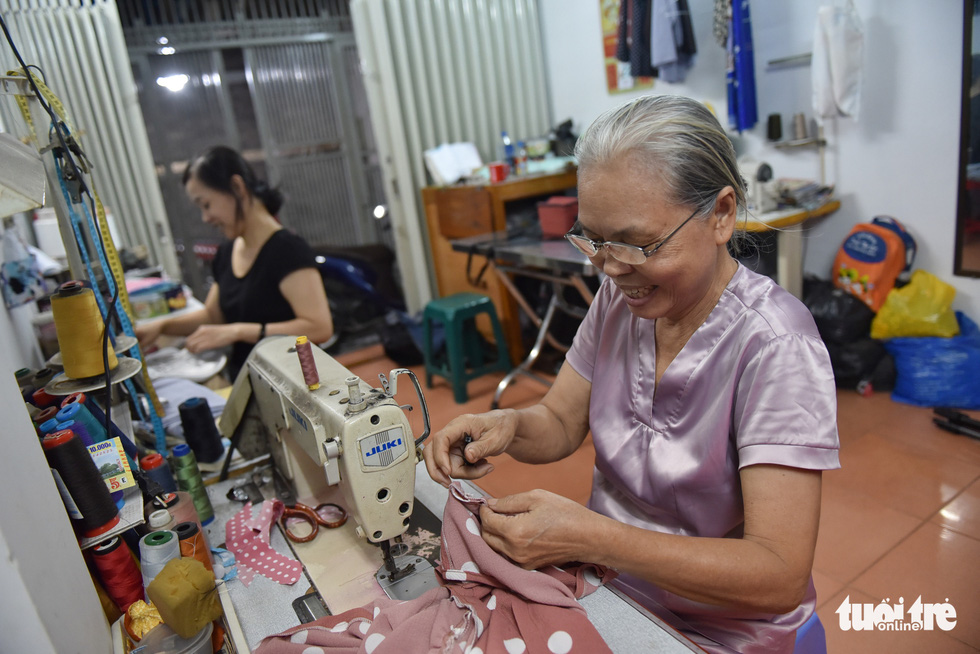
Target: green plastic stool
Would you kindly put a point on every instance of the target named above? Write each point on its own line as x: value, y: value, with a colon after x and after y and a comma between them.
x: 465, y: 356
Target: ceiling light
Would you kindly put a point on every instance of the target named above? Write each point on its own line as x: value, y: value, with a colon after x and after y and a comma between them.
x: 173, y: 83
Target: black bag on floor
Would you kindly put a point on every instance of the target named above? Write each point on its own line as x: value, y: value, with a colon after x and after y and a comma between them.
x: 400, y: 344
x: 862, y: 362
x: 840, y: 317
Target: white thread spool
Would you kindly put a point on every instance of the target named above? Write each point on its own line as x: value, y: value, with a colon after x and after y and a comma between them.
x: 162, y: 520
x: 156, y: 549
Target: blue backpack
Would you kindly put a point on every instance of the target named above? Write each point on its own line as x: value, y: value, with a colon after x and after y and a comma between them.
x: 893, y: 224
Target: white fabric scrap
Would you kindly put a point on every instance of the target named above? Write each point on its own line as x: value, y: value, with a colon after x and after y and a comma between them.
x: 838, y: 44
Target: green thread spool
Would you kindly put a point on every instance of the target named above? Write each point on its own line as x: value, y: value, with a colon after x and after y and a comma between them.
x: 24, y: 376
x: 189, y: 479
x: 158, y: 538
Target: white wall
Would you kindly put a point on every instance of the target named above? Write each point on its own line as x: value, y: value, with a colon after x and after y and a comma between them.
x: 47, y: 600
x: 899, y: 158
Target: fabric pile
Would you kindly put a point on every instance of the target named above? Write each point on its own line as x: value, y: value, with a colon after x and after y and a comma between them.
x: 485, y: 605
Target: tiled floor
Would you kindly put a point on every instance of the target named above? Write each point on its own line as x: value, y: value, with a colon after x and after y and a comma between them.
x: 901, y: 518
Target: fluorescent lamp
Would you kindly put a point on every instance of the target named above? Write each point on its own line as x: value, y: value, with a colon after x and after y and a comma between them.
x: 174, y: 83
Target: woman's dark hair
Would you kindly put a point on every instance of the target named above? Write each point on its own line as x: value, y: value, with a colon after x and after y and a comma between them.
x: 215, y: 168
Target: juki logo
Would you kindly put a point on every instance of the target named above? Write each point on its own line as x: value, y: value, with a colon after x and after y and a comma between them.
x: 300, y: 420
x: 378, y: 449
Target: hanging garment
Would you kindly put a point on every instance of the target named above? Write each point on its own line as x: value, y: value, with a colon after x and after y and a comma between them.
x: 742, y: 108
x: 672, y: 46
x: 486, y: 604
x: 20, y: 277
x: 838, y: 42
x: 623, y: 32
x: 633, y: 40
x: 721, y: 18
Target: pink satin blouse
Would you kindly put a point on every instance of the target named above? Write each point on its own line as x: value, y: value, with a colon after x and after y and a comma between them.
x: 753, y: 385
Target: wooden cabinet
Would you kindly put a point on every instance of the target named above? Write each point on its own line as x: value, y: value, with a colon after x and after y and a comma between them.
x: 453, y: 212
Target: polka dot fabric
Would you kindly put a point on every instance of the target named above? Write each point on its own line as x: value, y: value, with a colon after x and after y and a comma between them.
x: 247, y: 537
x: 486, y: 605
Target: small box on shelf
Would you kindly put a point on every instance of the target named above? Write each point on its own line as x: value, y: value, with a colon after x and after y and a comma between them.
x: 557, y: 215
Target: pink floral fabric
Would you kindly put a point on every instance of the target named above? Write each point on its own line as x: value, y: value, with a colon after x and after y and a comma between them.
x: 247, y: 537
x: 486, y: 605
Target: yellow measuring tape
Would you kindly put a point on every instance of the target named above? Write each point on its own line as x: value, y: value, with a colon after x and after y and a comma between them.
x: 49, y: 97
x: 112, y: 256
x: 115, y: 266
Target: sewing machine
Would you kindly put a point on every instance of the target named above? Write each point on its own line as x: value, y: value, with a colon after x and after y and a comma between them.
x: 761, y: 194
x: 331, y: 428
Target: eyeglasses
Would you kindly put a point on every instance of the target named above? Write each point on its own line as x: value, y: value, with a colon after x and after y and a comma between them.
x: 633, y: 255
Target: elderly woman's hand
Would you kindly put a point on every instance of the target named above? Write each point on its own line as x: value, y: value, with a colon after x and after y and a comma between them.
x: 489, y: 433
x: 539, y: 528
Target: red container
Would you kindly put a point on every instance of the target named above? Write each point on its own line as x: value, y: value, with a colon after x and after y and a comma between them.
x: 498, y: 171
x: 557, y: 215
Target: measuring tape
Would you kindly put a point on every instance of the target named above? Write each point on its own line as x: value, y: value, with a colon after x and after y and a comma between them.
x: 51, y: 98
x: 98, y: 228
x: 115, y: 270
x: 125, y: 318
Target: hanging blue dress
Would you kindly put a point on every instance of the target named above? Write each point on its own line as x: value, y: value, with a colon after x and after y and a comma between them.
x: 743, y: 111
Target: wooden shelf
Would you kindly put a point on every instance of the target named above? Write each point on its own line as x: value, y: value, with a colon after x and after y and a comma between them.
x: 453, y: 212
x: 800, y: 143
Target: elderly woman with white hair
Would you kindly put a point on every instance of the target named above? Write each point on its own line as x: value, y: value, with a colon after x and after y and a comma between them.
x: 706, y: 387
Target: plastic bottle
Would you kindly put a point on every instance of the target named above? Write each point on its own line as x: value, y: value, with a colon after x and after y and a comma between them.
x: 520, y: 159
x: 508, y: 150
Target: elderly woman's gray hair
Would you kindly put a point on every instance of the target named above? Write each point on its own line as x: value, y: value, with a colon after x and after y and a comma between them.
x: 671, y: 136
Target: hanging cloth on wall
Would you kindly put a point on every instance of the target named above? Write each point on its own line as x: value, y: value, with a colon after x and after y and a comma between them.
x: 742, y: 108
x: 672, y: 45
x: 633, y: 41
x: 20, y: 276
x: 838, y: 42
x: 721, y: 18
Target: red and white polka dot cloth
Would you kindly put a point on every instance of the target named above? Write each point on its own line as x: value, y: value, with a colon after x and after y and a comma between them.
x: 247, y: 537
x: 487, y: 605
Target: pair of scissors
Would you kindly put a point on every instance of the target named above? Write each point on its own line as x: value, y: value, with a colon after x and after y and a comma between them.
x: 313, y: 516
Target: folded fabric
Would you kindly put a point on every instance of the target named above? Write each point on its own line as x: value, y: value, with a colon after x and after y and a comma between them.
x: 247, y: 537
x: 486, y: 605
x: 183, y: 593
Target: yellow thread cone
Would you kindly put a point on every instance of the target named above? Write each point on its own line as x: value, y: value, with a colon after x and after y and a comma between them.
x: 79, y: 326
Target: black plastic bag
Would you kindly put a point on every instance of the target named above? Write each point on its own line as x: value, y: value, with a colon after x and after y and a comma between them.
x: 861, y: 362
x: 401, y: 337
x: 841, y: 318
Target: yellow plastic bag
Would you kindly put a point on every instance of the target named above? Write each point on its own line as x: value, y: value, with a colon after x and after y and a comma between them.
x: 923, y: 307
